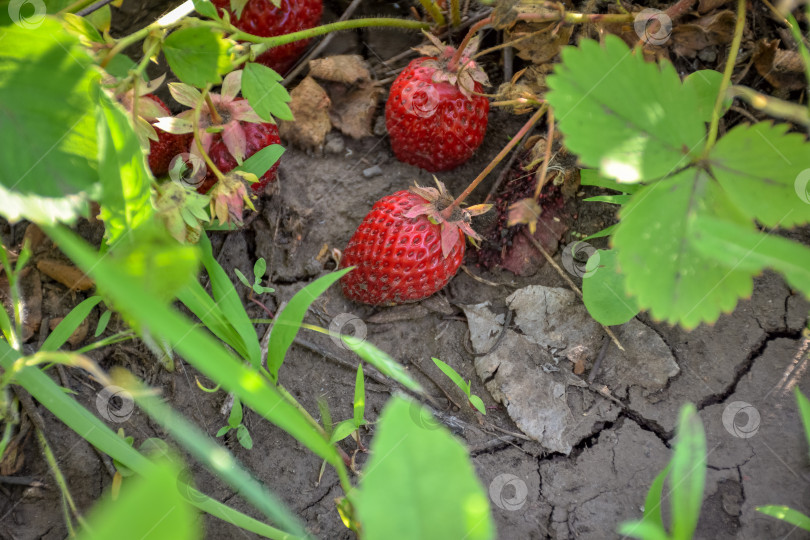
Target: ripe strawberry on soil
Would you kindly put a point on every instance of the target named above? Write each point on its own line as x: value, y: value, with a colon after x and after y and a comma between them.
x: 262, y: 18
x: 168, y: 145
x: 404, y: 250
x: 433, y: 119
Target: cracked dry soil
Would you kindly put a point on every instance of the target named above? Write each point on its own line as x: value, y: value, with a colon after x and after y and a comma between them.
x: 754, y: 355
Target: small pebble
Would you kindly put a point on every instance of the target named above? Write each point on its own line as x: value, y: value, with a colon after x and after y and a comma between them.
x: 379, y: 126
x: 334, y: 143
x: 372, y: 171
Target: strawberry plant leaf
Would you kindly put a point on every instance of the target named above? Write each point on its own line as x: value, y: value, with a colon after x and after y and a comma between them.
x: 591, y: 177
x: 445, y: 498
x: 705, y: 83
x: 195, y: 55
x: 126, y: 200
x: 260, y: 162
x: 262, y: 88
x: 49, y: 149
x: 289, y: 320
x: 81, y: 27
x: 612, y: 107
x: 664, y: 271
x: 206, y: 8
x: 603, y: 290
x: 69, y: 324
x: 742, y: 248
x: 759, y: 166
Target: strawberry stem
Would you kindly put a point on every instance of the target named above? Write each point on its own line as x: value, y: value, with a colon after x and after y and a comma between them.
x: 434, y: 11
x: 215, y: 117
x: 447, y: 212
x: 452, y: 65
x: 195, y: 129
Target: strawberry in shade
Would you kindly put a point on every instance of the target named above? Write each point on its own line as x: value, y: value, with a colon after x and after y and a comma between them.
x: 406, y: 248
x: 434, y: 119
x: 229, y: 134
x: 162, y: 146
x: 265, y: 19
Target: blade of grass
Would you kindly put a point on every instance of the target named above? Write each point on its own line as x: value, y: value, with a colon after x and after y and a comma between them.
x: 789, y: 515
x: 198, y: 347
x: 688, y: 474
x: 804, y: 412
x: 197, y: 300
x: 359, y: 396
x: 214, y: 457
x: 69, y: 324
x: 95, y: 432
x: 228, y: 300
x: 289, y: 320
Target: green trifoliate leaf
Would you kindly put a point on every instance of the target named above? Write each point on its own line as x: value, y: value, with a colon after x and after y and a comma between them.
x: 262, y: 88
x: 664, y: 271
x: 48, y: 147
x: 765, y: 172
x: 616, y: 112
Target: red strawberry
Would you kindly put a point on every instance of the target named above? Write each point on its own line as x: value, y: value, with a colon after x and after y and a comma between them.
x: 167, y: 146
x: 262, y: 18
x: 405, y: 250
x: 433, y: 119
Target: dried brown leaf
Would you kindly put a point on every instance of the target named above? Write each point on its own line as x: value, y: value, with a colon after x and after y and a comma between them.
x: 715, y: 29
x: 310, y: 105
x: 781, y: 68
x: 544, y: 45
x: 353, y: 111
x: 66, y: 274
x: 344, y: 68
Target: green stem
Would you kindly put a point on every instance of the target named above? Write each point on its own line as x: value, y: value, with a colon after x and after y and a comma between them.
x: 75, y: 6
x: 455, y: 12
x: 453, y: 63
x: 110, y: 340
x: 434, y: 11
x: 265, y: 43
x: 732, y: 59
x: 125, y: 42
